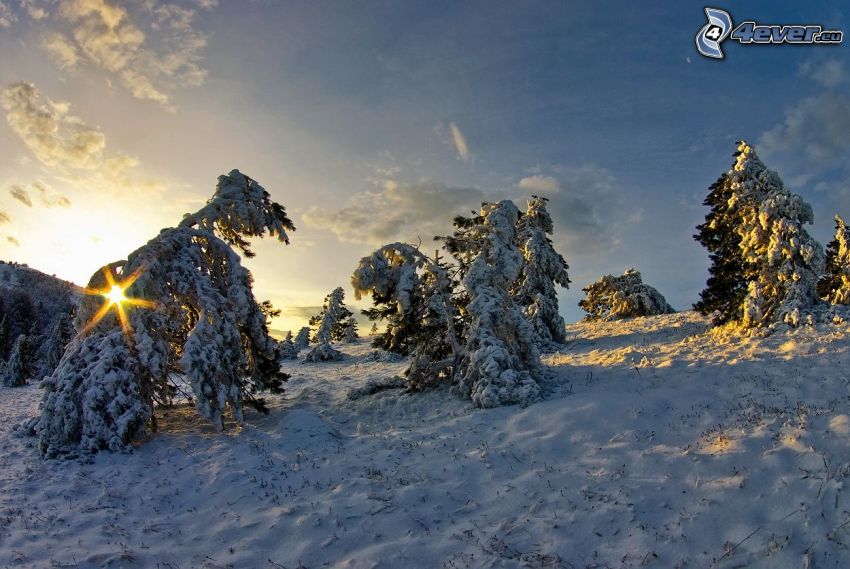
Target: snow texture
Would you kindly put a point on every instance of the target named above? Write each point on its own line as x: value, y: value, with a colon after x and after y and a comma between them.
x: 500, y: 364
x: 626, y: 296
x: 782, y: 261
x: 542, y: 269
x: 661, y: 444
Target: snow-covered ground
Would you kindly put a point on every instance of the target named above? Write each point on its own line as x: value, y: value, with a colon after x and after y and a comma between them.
x: 659, y: 444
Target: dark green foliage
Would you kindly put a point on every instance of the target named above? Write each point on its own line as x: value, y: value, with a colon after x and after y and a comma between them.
x: 727, y: 285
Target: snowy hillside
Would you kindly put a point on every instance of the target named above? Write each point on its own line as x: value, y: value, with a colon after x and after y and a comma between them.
x: 659, y: 444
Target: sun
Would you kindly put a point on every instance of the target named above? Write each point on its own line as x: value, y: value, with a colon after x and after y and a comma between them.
x: 115, y: 297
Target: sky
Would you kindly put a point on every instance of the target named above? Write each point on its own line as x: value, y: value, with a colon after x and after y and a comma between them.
x: 374, y: 122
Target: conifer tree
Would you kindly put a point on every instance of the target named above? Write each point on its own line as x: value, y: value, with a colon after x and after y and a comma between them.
x: 198, y: 317
x: 59, y: 338
x: 834, y: 285
x: 302, y: 339
x: 782, y: 262
x: 500, y: 362
x: 287, y: 348
x: 626, y: 296
x: 724, y: 293
x: 543, y: 268
x: 414, y: 294
x: 351, y: 335
x: 331, y: 324
x: 765, y: 265
x: 20, y: 367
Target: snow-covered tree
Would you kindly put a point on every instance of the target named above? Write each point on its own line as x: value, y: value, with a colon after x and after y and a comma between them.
x: 413, y: 293
x: 834, y: 285
x: 782, y: 262
x: 331, y: 323
x: 54, y: 346
x: 196, y: 315
x: 302, y: 339
x: 726, y: 288
x: 21, y: 364
x: 373, y: 331
x: 351, y: 335
x: 543, y: 268
x: 765, y: 266
x: 500, y: 362
x: 287, y: 348
x: 626, y: 296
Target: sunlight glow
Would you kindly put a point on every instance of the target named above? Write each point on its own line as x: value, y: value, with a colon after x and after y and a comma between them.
x: 114, y: 293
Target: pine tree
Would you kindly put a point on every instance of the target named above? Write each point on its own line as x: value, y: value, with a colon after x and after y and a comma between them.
x: 302, y: 339
x: 331, y: 324
x: 726, y: 288
x: 287, y: 348
x: 20, y: 367
x: 414, y: 295
x: 626, y: 296
x: 543, y: 268
x: 57, y: 341
x: 351, y: 335
x: 199, y: 319
x: 782, y: 262
x: 764, y: 264
x: 834, y: 285
x: 373, y: 331
x: 500, y: 363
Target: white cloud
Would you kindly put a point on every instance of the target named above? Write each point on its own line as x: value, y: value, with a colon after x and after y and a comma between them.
x: 7, y: 17
x: 397, y: 211
x: 539, y: 184
x: 830, y: 73
x: 812, y: 136
x: 586, y: 204
x: 151, y: 48
x: 460, y: 142
x: 73, y: 151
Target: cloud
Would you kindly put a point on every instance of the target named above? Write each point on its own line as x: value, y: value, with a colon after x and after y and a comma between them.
x: 587, y: 207
x: 4, y: 218
x: 830, y: 73
x: 539, y: 184
x: 7, y: 17
x: 812, y: 137
x: 48, y: 197
x: 302, y: 312
x: 61, y: 49
x: 21, y: 195
x: 54, y: 136
x: 586, y: 204
x: 397, y: 211
x: 151, y: 48
x: 460, y: 142
x: 74, y: 151
x: 13, y: 241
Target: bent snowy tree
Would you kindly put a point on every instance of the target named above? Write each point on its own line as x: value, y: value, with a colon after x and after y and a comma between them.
x: 198, y: 320
x: 626, y: 296
x: 415, y: 296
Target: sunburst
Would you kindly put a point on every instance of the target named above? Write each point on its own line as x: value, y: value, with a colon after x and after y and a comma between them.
x: 114, y: 295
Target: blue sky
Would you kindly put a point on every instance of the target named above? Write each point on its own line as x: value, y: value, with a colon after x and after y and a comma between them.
x: 377, y: 121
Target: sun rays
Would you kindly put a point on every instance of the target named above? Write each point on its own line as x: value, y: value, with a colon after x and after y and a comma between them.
x: 114, y: 295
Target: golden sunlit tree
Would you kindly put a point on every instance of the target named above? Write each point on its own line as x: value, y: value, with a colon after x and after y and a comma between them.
x: 178, y: 311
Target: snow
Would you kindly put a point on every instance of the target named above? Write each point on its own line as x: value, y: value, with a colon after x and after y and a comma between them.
x: 658, y: 443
